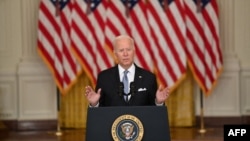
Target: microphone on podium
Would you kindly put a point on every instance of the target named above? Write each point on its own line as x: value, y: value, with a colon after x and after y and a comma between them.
x: 132, y: 89
x: 120, y: 89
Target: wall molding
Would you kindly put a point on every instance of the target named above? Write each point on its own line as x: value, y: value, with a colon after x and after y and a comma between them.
x: 8, y: 95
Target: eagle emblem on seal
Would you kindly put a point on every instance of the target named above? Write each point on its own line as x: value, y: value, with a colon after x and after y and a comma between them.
x: 128, y: 130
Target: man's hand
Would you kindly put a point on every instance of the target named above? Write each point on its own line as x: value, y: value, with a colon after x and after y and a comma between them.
x: 162, y: 94
x: 92, y: 96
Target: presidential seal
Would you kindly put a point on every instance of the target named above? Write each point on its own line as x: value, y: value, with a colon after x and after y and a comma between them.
x: 127, y: 128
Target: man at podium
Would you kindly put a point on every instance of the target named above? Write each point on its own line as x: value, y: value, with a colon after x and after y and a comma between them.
x: 126, y: 95
x: 126, y: 84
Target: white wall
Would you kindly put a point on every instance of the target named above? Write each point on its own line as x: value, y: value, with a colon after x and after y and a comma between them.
x: 27, y: 90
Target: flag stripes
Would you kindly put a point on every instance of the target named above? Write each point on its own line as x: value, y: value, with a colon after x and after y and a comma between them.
x: 54, y: 42
x: 203, y: 48
x: 168, y: 31
x: 140, y: 31
x: 82, y: 38
x: 116, y: 22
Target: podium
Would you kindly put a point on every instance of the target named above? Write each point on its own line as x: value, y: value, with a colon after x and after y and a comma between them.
x: 128, y: 123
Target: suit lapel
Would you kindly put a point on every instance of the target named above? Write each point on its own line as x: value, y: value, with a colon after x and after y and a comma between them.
x: 117, y: 75
x: 138, y: 78
x: 117, y: 82
x: 137, y: 82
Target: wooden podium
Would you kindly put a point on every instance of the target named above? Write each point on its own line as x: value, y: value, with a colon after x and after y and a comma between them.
x: 128, y: 123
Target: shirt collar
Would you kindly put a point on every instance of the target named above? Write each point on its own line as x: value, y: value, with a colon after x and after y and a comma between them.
x: 131, y: 69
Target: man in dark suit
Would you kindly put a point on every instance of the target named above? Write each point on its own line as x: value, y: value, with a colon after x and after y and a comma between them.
x: 126, y: 84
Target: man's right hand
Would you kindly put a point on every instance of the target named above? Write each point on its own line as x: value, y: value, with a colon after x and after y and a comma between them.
x: 92, y: 96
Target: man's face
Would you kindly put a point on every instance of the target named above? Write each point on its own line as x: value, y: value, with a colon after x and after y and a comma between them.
x: 124, y: 52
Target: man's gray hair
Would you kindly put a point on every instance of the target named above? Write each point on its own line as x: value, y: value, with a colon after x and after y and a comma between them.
x: 122, y: 37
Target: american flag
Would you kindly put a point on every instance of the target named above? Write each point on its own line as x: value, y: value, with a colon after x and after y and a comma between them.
x: 203, y: 46
x: 168, y: 31
x: 97, y: 17
x: 160, y: 28
x: 140, y: 31
x: 88, y: 24
x: 116, y: 22
x: 54, y: 42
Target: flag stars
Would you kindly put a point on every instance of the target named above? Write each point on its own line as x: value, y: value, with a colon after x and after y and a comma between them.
x: 129, y: 3
x: 60, y: 3
x: 93, y: 4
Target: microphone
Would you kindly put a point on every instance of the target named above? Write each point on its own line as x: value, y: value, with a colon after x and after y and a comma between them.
x: 120, y: 89
x: 132, y: 88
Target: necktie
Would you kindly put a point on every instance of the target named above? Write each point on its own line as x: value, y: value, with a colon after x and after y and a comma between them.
x: 125, y: 83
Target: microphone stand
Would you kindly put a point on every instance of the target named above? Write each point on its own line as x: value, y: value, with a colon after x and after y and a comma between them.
x: 132, y: 91
x: 120, y: 89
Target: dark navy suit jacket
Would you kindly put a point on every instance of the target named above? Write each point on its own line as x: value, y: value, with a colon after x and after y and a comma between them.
x: 145, y: 87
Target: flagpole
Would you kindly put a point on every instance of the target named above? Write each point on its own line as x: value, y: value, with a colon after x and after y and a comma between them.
x: 58, y: 132
x: 202, y: 127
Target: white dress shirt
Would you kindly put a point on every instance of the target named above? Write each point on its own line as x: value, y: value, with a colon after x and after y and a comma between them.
x: 130, y: 75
